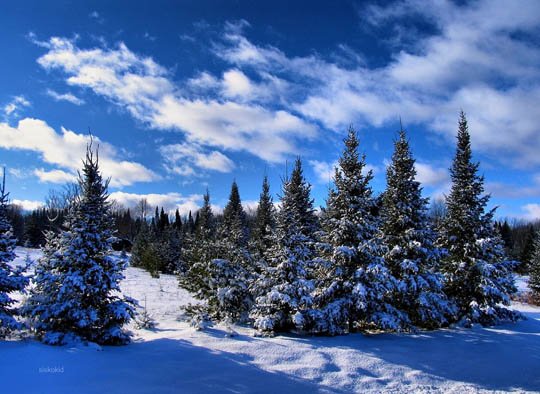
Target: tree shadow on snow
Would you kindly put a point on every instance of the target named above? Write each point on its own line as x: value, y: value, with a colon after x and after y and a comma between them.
x: 160, y: 366
x: 504, y: 357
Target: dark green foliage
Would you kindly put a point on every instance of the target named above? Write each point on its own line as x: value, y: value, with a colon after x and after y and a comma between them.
x: 477, y: 273
x: 534, y: 269
x: 233, y: 228
x: 409, y: 250
x: 285, y: 286
x: 265, y: 221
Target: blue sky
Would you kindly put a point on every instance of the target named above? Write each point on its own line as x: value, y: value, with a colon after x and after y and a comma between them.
x: 188, y: 95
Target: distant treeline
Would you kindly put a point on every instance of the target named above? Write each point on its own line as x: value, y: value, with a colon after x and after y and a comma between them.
x: 29, y: 226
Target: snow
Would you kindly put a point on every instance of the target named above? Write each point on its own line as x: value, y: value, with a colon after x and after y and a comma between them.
x: 522, y: 283
x: 175, y: 358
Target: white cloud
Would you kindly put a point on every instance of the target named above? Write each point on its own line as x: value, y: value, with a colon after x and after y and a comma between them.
x: 268, y: 101
x: 532, y: 211
x: 236, y: 84
x: 54, y: 176
x: 169, y: 201
x: 181, y: 158
x: 474, y: 62
x: 505, y: 190
x: 323, y: 170
x: 96, y: 16
x: 250, y: 206
x: 28, y: 205
x: 19, y: 173
x: 144, y: 89
x: 429, y: 175
x: 15, y: 105
x: 66, y: 149
x: 65, y: 97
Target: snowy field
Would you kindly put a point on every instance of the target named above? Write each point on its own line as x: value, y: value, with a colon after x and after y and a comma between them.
x: 174, y: 358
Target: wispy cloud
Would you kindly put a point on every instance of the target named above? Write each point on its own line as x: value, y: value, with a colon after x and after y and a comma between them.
x: 267, y: 102
x: 16, y: 105
x: 182, y: 158
x: 430, y: 175
x: 147, y: 91
x: 69, y: 97
x: 65, y: 149
x: 96, y: 16
x: 531, y: 211
x: 325, y: 171
x: 474, y: 61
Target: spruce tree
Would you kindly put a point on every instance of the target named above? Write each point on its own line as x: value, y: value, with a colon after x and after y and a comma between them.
x: 527, y: 251
x: 190, y: 224
x: 77, y: 292
x: 478, y: 276
x: 285, y: 285
x: 234, y: 227
x: 177, y: 221
x: 11, y: 279
x: 201, y: 251
x: 231, y: 273
x: 534, y: 270
x: 408, y: 241
x: 352, y: 279
x: 265, y: 221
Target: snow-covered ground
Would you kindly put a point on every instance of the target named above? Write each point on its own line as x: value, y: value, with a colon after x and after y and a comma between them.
x: 174, y: 358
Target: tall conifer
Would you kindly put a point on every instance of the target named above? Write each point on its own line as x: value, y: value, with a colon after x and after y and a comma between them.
x: 477, y: 273
x: 410, y: 253
x: 77, y: 292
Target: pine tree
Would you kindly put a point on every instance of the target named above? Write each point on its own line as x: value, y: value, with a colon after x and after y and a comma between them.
x: 140, y: 244
x: 477, y: 274
x: 200, y: 253
x: 233, y: 271
x: 190, y: 224
x: 163, y: 222
x: 265, y: 221
x: 534, y: 269
x: 11, y: 279
x: 285, y: 285
x: 527, y: 251
x: 171, y: 251
x: 410, y: 253
x: 352, y: 278
x: 77, y: 293
x: 221, y: 277
x: 234, y: 227
x: 177, y: 221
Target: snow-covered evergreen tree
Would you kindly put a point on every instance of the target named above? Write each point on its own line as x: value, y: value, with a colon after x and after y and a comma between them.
x: 11, y: 279
x: 230, y: 275
x: 77, y: 293
x: 265, y: 221
x: 140, y: 244
x: 285, y: 285
x: 478, y: 276
x: 234, y: 228
x: 352, y: 279
x: 199, y: 254
x: 410, y: 253
x: 534, y: 269
x: 171, y: 251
